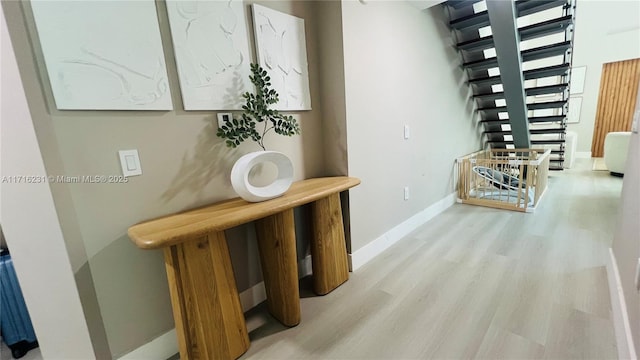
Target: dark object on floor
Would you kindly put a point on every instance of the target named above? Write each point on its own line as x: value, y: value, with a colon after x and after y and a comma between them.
x: 616, y: 174
x: 15, y: 323
x: 499, y: 179
x: 21, y: 348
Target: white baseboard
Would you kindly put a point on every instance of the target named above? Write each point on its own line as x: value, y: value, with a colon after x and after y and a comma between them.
x: 162, y: 347
x: 583, y: 154
x: 624, y: 340
x: 377, y: 246
x: 253, y: 296
x: 304, y: 267
x: 165, y: 346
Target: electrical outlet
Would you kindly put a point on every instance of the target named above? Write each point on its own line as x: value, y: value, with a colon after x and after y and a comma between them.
x: 406, y: 193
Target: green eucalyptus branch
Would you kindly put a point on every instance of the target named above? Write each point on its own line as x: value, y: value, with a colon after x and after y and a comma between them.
x: 256, y: 110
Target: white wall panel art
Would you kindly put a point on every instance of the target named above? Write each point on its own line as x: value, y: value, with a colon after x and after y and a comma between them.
x: 281, y: 50
x: 212, y: 53
x: 103, y: 55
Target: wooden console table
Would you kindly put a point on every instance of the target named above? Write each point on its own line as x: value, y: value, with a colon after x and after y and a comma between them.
x: 206, y: 306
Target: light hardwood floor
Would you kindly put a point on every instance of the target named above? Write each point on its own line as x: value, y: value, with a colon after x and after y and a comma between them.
x: 472, y: 283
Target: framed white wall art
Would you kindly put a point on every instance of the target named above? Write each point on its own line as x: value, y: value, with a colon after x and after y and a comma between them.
x: 578, y: 75
x: 212, y: 53
x: 103, y: 55
x: 282, y: 51
x: 575, y: 106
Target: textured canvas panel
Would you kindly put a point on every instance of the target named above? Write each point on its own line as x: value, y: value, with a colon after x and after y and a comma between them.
x: 281, y: 49
x: 212, y: 52
x: 575, y: 107
x: 578, y: 75
x: 103, y: 55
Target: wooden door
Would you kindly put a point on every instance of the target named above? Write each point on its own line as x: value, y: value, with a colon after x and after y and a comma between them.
x: 616, y: 102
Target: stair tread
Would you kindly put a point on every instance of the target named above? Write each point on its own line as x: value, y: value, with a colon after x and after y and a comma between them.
x: 543, y: 89
x: 469, y: 22
x: 494, y: 95
x: 476, y: 44
x: 555, y: 70
x: 494, y: 108
x: 527, y: 7
x: 532, y: 106
x: 490, y: 80
x: 550, y: 118
x: 548, y: 131
x: 545, y: 28
x: 482, y: 63
x: 497, y: 132
x: 502, y: 121
x: 546, y: 105
x: 548, y: 89
x: 532, y: 119
x: 545, y: 51
x: 459, y: 4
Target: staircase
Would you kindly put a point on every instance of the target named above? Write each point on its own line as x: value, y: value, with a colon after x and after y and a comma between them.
x: 520, y: 76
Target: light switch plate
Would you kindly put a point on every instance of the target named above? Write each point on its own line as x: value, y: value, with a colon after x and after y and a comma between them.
x: 130, y: 162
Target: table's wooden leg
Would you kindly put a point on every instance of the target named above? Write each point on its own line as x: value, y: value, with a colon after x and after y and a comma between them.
x: 206, y: 306
x: 328, y: 247
x: 277, y: 244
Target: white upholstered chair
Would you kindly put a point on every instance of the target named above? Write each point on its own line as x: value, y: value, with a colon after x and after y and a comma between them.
x: 616, y: 147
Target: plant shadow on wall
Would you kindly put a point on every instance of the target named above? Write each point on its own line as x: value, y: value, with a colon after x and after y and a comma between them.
x: 209, y: 159
x: 231, y: 93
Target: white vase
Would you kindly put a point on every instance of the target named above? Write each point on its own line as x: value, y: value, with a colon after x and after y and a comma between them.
x: 242, y: 167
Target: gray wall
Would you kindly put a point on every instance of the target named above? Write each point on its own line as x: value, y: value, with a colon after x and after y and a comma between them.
x: 123, y: 289
x: 31, y: 225
x: 626, y: 243
x: 373, y: 68
x: 331, y: 61
x: 401, y: 68
x: 606, y: 31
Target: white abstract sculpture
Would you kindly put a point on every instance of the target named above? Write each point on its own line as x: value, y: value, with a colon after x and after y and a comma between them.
x: 242, y: 167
